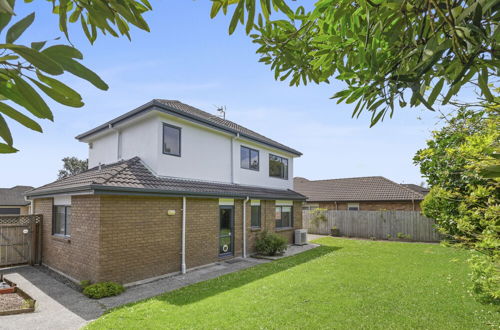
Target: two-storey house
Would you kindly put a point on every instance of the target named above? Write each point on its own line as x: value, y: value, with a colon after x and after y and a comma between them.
x: 170, y: 187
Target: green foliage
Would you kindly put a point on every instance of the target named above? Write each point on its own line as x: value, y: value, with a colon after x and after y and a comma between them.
x: 85, y: 283
x: 403, y: 236
x: 103, y: 289
x: 379, y: 49
x: 270, y: 244
x: 72, y: 166
x: 486, y: 277
x: 334, y: 231
x: 26, y: 71
x: 464, y: 202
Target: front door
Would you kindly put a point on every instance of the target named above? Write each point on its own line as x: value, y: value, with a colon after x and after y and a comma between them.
x: 226, y: 231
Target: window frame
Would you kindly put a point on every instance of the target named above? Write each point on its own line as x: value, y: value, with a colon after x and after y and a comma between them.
x: 250, y: 158
x: 54, y: 215
x: 179, y: 129
x: 259, y: 217
x: 281, y: 161
x: 353, y: 205
x: 281, y: 217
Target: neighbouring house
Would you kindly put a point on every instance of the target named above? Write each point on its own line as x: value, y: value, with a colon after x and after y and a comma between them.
x: 12, y: 201
x: 371, y: 193
x: 169, y: 188
x: 422, y: 190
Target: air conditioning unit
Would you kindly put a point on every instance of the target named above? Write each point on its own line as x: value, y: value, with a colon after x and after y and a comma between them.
x: 300, y: 237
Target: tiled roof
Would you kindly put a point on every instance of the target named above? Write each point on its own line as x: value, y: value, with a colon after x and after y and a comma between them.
x: 13, y: 196
x: 417, y: 188
x: 188, y: 112
x: 372, y: 188
x: 133, y: 176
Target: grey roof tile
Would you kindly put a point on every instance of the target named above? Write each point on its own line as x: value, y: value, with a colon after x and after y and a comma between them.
x: 14, y: 196
x: 133, y: 176
x: 373, y: 188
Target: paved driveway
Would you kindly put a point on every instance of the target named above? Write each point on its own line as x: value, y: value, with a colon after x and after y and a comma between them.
x: 58, y: 306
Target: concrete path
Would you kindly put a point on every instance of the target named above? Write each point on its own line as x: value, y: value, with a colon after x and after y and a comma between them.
x: 311, y: 237
x: 58, y: 307
x: 61, y: 307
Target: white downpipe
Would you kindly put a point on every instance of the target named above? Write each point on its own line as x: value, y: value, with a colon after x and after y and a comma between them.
x: 183, y: 249
x: 245, y: 227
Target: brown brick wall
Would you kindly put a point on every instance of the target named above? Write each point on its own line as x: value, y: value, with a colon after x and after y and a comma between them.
x: 130, y: 238
x: 77, y: 256
x: 373, y: 206
x: 138, y: 238
x: 202, y: 231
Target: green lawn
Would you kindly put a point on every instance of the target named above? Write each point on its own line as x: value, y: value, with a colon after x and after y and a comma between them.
x: 342, y: 284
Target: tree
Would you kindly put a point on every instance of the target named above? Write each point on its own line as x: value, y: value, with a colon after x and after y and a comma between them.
x: 464, y: 202
x: 25, y: 71
x: 72, y: 166
x: 380, y: 49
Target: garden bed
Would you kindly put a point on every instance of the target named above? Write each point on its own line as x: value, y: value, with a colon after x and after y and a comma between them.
x: 13, y: 300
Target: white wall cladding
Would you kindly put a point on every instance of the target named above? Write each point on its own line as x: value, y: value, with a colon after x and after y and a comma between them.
x: 205, y: 152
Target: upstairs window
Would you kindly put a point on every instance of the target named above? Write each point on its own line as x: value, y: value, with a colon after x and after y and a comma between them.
x: 278, y: 167
x: 61, y: 224
x: 249, y: 158
x: 171, y: 140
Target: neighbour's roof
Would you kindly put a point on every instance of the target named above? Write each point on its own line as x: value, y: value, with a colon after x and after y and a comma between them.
x: 417, y: 188
x: 133, y: 177
x: 14, y: 196
x: 188, y: 112
x: 371, y: 188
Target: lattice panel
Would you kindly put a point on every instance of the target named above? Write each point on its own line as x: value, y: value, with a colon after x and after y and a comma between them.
x: 20, y: 219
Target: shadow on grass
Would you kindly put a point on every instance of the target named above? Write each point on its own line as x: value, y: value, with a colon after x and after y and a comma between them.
x: 206, y: 289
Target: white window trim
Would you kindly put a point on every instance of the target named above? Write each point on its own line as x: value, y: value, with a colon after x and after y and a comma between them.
x: 353, y: 205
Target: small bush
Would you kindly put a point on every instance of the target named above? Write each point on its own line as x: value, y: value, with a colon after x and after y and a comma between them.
x: 335, y: 231
x: 84, y: 284
x: 103, y: 289
x: 485, y: 278
x: 270, y: 244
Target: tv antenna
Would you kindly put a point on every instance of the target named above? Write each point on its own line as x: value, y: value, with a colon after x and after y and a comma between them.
x: 222, y: 111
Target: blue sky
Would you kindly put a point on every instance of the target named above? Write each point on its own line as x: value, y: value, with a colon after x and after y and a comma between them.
x: 191, y: 58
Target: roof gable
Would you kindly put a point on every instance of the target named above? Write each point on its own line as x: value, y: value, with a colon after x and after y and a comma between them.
x: 374, y: 188
x: 191, y: 113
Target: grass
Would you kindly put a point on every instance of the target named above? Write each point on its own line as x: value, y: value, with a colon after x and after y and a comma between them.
x: 342, y: 284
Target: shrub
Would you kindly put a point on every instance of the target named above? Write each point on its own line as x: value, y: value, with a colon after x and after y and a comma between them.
x: 335, y: 231
x: 486, y: 278
x: 103, y: 289
x: 318, y: 217
x: 270, y: 244
x: 84, y: 284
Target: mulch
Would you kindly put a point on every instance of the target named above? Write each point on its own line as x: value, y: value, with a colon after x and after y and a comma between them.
x: 11, y: 301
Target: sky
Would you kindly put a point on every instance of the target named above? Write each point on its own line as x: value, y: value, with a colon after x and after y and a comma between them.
x: 189, y: 57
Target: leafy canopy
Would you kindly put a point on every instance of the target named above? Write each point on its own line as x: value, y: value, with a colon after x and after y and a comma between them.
x: 463, y: 200
x: 72, y: 166
x: 380, y: 48
x: 30, y: 73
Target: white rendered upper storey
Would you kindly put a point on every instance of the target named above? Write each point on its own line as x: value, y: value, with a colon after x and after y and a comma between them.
x: 176, y: 140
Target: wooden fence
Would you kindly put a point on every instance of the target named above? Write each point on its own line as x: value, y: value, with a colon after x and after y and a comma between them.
x: 407, y: 225
x: 20, y: 239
